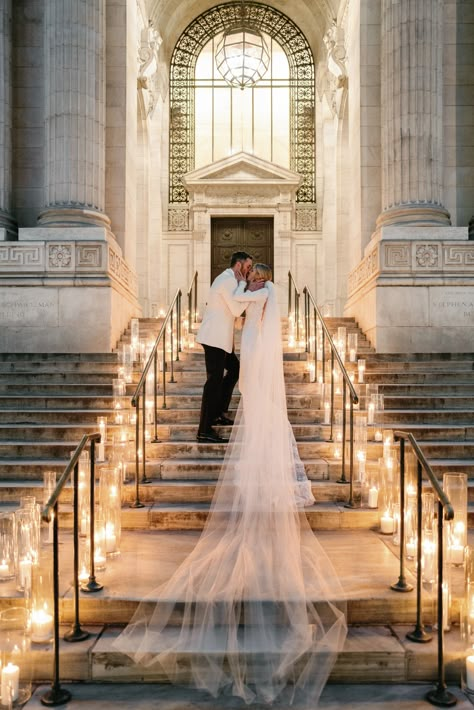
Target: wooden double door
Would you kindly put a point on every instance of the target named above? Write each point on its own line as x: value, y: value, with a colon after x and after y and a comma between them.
x: 251, y: 234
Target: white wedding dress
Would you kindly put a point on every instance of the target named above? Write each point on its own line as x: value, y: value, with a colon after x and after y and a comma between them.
x: 256, y: 609
x: 252, y: 359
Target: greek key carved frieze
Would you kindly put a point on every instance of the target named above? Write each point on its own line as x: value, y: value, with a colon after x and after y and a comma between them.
x: 60, y: 256
x: 14, y: 256
x: 89, y: 256
x: 366, y: 269
x: 397, y: 256
x: 458, y: 255
x: 119, y: 269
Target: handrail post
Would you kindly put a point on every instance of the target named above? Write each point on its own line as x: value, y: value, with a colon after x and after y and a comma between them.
x: 440, y: 696
x: 92, y: 585
x: 350, y: 503
x: 56, y: 695
x: 343, y: 479
x: 164, y: 372
x: 419, y: 635
x: 195, y: 296
x: 76, y: 633
x: 332, y: 395
x: 178, y: 326
x: 137, y: 503
x: 155, y: 397
x: 402, y: 585
x: 144, y: 476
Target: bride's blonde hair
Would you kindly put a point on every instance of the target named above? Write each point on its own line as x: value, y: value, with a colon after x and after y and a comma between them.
x: 262, y: 271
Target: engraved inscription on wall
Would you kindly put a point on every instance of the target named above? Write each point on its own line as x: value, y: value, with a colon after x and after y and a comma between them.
x: 38, y: 309
x: 451, y: 308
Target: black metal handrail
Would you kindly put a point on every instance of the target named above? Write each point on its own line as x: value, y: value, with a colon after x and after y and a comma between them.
x: 174, y: 311
x: 192, y: 301
x: 439, y: 696
x: 294, y: 303
x: 57, y: 695
x: 309, y: 303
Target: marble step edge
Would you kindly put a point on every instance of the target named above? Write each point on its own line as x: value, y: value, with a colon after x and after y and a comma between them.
x: 371, y: 654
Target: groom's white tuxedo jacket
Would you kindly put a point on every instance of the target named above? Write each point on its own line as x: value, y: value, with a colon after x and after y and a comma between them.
x: 217, y: 327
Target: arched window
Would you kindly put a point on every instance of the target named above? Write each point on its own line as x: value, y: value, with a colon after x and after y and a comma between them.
x: 194, y: 106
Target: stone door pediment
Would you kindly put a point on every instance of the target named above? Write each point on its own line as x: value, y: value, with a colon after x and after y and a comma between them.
x: 242, y: 168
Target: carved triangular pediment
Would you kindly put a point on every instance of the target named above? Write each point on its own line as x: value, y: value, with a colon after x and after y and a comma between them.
x: 242, y: 168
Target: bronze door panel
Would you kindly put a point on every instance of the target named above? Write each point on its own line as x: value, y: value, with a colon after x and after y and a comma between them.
x: 228, y: 234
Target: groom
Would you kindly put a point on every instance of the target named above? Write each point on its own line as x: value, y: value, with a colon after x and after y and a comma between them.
x: 216, y: 335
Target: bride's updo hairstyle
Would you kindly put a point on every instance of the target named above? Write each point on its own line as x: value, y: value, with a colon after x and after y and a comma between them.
x: 262, y: 271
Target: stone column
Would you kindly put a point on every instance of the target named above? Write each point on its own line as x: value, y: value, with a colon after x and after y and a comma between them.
x: 74, y: 113
x: 7, y: 224
x: 412, y: 85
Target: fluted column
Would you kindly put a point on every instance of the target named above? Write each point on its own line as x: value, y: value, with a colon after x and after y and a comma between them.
x: 412, y: 124
x: 6, y: 220
x: 75, y: 113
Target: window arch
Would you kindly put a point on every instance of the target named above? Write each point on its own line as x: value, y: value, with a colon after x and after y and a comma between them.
x: 301, y: 90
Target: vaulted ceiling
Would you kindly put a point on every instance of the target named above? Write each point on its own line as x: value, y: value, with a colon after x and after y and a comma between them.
x: 313, y: 17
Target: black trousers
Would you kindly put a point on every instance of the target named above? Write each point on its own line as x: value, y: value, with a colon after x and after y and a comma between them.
x: 218, y: 387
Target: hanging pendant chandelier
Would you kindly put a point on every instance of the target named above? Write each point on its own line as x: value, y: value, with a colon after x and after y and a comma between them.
x: 242, y: 56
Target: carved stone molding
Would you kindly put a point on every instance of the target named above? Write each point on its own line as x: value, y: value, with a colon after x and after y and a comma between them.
x: 68, y: 259
x: 427, y: 255
x: 89, y: 256
x: 331, y: 79
x: 13, y: 257
x: 178, y: 219
x: 150, y: 42
x: 396, y: 256
x: 60, y: 257
x: 412, y: 259
x: 306, y: 219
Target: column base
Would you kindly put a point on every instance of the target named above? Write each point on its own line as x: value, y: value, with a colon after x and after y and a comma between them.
x: 414, y: 290
x: 58, y: 216
x: 416, y: 215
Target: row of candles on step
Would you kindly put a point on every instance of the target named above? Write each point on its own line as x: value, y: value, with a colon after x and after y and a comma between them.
x: 345, y: 343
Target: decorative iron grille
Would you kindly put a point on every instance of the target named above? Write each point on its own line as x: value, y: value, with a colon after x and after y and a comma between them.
x: 302, y: 98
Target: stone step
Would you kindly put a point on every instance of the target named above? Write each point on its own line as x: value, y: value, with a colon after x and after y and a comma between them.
x: 148, y: 557
x: 50, y: 389
x: 85, y: 379
x: 371, y: 654
x: 336, y: 696
x: 59, y: 357
x: 48, y: 367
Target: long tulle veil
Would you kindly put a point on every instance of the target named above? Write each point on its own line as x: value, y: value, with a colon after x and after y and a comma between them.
x: 256, y: 609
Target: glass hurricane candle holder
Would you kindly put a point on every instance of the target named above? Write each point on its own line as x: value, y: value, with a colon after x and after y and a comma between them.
x: 352, y: 346
x: 100, y: 551
x: 42, y: 606
x: 15, y: 662
x: 110, y: 497
x: 102, y: 426
x: 361, y: 370
x: 26, y: 546
x: 455, y: 487
x: 338, y: 443
x: 341, y: 342
x: 7, y: 547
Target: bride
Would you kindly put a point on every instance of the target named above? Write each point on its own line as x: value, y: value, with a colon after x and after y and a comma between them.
x: 256, y: 609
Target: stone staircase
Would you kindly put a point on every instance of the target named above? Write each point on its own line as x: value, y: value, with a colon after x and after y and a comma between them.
x: 47, y: 402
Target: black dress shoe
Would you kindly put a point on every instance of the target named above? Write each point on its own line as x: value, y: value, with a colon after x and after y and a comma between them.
x: 223, y: 421
x: 211, y: 436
